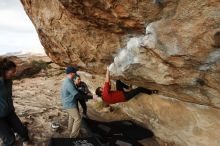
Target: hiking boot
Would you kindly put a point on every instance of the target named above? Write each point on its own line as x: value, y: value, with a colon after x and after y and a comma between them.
x: 155, y: 91
x: 55, y: 126
x: 85, y: 116
x: 17, y: 138
x: 26, y: 143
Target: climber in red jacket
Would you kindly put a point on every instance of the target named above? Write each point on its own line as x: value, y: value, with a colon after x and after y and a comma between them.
x: 120, y: 95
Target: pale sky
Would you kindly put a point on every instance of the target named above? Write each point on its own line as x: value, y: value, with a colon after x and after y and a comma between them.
x: 17, y: 33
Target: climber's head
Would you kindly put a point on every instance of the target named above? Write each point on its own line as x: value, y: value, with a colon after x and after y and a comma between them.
x: 99, y: 91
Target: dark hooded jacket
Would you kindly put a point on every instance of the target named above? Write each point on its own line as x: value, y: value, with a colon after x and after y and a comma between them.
x: 6, y: 101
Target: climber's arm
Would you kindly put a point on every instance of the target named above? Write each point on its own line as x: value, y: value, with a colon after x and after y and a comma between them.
x: 107, y: 77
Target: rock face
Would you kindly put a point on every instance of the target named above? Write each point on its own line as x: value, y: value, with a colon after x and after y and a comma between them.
x: 173, y: 46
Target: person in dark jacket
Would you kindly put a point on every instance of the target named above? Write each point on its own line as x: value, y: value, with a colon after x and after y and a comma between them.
x: 9, y: 121
x: 119, y: 95
x: 83, y: 88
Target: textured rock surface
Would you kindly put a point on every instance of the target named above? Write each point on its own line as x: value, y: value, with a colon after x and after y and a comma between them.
x: 172, y: 120
x: 178, y: 53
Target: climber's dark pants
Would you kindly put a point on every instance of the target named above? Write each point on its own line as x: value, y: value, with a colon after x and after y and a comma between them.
x: 83, y: 105
x: 129, y: 95
x: 121, y: 86
x: 81, y: 98
x: 8, y: 126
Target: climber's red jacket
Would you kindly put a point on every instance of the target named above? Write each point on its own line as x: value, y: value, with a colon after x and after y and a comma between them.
x: 111, y: 97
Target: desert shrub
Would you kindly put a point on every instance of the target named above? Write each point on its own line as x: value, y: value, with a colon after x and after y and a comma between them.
x: 35, y: 67
x: 100, y: 104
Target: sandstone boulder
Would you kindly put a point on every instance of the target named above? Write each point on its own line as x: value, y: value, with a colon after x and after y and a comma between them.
x: 173, y: 47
